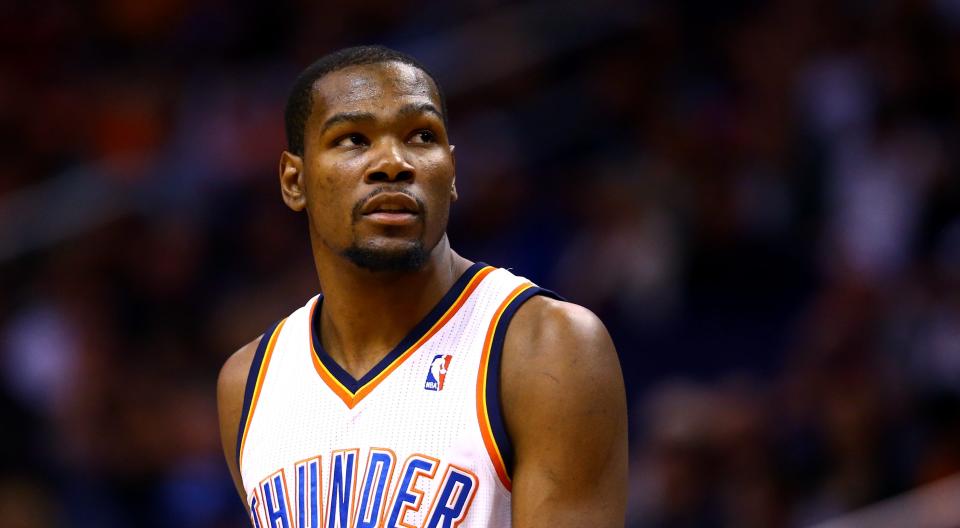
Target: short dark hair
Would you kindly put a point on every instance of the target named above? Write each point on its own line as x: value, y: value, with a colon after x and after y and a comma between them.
x: 300, y: 101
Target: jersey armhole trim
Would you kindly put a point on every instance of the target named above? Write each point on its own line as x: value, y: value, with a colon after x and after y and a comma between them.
x: 258, y: 370
x: 489, y: 408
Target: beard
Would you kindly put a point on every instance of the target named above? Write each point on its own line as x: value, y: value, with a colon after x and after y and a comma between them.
x: 407, y: 259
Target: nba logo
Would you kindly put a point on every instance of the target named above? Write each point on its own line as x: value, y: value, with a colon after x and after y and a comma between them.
x: 437, y: 372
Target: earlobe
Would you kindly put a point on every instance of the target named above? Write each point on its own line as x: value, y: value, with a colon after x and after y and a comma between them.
x: 291, y: 181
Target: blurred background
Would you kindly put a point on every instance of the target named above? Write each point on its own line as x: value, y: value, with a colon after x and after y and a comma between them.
x: 760, y: 199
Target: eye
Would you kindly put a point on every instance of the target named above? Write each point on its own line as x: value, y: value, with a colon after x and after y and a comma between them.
x: 423, y: 136
x: 352, y: 140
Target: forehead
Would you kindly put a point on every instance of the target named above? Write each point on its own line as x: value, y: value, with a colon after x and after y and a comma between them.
x: 372, y: 88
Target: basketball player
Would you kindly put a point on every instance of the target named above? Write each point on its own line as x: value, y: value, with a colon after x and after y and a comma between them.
x: 420, y: 388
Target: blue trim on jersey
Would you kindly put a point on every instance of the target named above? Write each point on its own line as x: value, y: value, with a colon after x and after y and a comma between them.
x: 252, y: 376
x: 352, y: 384
x: 494, y: 406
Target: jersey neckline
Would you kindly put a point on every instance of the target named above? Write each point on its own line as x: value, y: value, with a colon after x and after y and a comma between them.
x: 352, y: 390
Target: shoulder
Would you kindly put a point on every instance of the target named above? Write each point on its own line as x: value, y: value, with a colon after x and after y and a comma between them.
x: 556, y: 350
x: 233, y: 374
x: 232, y: 380
x: 549, y: 330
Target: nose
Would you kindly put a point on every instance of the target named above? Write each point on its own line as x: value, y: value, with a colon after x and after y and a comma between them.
x: 389, y: 164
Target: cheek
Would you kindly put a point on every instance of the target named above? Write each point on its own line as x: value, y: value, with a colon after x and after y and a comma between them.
x: 438, y: 182
x: 330, y: 192
x: 438, y: 172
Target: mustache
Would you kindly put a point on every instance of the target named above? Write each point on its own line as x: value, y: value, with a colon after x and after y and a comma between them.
x: 358, y: 207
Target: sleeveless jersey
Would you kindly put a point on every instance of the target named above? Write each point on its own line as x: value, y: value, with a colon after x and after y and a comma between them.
x: 419, y: 441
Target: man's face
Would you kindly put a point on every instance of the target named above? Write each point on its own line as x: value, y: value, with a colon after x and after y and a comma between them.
x: 377, y: 174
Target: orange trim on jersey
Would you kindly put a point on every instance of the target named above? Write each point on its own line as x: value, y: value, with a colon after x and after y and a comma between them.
x: 483, y: 416
x: 261, y: 374
x: 253, y: 508
x: 351, y: 399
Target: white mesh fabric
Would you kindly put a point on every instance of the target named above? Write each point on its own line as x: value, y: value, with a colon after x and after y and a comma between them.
x: 298, y: 416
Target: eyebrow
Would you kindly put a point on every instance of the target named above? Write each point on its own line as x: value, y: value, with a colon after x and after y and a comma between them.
x: 405, y: 111
x: 419, y: 108
x: 346, y: 117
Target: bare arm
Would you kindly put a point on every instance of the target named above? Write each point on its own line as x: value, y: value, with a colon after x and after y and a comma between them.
x: 230, y: 388
x: 565, y: 409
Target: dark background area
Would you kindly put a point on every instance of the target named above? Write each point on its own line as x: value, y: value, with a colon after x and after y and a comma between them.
x: 760, y: 199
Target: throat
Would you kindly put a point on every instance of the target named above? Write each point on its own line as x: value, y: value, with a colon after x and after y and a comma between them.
x: 358, y: 365
x: 356, y: 345
x: 362, y: 325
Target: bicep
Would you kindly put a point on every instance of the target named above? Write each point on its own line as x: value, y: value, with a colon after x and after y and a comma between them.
x: 565, y: 407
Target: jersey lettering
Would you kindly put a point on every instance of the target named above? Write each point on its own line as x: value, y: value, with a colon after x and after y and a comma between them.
x: 343, y: 475
x: 448, y: 507
x: 379, y: 471
x: 274, y: 490
x: 452, y: 503
x: 449, y: 503
x: 408, y: 496
x: 254, y: 503
x: 309, y: 493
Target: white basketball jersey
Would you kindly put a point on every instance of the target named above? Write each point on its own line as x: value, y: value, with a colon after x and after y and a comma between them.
x: 419, y: 441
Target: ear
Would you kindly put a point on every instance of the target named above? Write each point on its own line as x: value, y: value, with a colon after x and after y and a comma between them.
x: 453, y: 183
x: 291, y: 181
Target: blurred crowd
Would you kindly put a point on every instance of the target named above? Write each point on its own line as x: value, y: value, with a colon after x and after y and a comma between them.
x: 760, y: 199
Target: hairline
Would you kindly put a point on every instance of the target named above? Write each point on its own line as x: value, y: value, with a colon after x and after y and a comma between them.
x: 437, y: 94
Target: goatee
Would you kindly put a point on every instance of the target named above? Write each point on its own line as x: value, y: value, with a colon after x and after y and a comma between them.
x: 411, y: 258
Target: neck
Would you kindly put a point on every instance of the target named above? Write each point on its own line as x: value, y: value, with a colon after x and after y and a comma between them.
x: 365, y: 314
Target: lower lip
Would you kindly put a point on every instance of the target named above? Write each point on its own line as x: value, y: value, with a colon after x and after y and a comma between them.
x: 392, y: 218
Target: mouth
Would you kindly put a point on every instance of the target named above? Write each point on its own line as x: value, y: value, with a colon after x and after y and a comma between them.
x: 391, y: 209
x: 395, y: 218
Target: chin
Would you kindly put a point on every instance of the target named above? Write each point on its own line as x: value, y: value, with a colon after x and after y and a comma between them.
x: 410, y: 256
